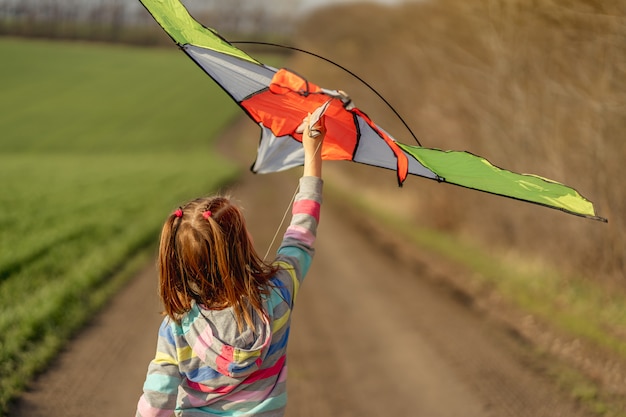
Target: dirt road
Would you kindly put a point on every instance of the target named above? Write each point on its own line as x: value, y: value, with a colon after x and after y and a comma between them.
x: 373, y: 335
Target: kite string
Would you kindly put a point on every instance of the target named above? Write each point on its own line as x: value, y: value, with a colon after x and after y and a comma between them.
x: 282, y: 221
x: 293, y: 48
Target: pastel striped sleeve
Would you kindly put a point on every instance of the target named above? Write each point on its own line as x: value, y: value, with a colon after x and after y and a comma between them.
x: 299, y: 239
x: 163, y: 378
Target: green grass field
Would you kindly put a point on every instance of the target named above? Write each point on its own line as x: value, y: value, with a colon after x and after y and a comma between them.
x: 98, y: 144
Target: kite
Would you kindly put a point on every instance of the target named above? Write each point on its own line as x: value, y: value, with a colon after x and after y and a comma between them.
x: 279, y: 99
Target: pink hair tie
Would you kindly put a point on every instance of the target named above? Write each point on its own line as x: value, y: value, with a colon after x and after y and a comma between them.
x: 178, y: 213
x: 206, y: 214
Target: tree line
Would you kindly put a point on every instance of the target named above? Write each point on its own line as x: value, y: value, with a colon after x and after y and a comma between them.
x: 128, y: 21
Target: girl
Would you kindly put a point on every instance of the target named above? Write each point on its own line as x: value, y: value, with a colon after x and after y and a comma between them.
x: 221, y: 348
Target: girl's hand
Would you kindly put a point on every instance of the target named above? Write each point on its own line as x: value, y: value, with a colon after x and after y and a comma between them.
x: 312, y: 139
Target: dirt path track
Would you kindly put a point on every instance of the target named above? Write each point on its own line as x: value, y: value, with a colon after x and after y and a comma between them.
x: 373, y: 335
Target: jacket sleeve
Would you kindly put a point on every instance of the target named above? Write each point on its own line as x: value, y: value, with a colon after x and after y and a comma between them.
x: 160, y: 389
x: 297, y: 247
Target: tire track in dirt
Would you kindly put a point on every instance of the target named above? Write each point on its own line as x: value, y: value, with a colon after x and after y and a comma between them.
x: 373, y: 333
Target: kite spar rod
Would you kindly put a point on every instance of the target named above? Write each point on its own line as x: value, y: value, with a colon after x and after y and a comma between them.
x: 293, y: 48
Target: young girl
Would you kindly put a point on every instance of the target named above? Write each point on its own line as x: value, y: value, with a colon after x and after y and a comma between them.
x: 221, y: 348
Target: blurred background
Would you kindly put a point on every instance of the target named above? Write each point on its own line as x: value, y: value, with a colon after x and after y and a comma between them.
x: 534, y: 86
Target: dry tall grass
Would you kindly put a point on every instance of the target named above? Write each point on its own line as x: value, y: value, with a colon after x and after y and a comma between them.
x: 534, y: 86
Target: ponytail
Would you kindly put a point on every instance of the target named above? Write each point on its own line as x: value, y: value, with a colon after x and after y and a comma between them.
x: 206, y: 256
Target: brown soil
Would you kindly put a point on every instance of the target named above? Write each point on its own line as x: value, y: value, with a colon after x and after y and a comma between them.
x: 375, y: 332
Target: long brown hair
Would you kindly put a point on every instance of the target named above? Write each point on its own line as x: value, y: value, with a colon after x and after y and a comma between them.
x: 206, y: 255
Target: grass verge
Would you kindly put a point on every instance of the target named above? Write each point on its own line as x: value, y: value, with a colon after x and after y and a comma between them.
x: 99, y: 144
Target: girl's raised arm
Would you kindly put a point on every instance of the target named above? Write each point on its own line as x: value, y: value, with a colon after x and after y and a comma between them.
x: 313, y: 148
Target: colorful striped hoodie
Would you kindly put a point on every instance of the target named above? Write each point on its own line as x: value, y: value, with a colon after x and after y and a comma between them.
x: 205, y: 366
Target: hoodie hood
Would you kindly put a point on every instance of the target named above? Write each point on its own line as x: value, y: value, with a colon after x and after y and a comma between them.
x: 214, y: 337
